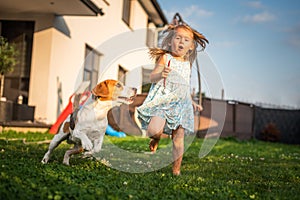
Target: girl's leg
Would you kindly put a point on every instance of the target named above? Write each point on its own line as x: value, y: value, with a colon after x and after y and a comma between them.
x: 154, y: 131
x: 178, y: 149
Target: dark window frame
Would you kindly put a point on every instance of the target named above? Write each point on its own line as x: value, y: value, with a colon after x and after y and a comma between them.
x: 122, y: 74
x: 126, y: 12
x: 91, y: 66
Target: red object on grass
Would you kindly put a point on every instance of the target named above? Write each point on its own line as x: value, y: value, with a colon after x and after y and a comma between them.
x: 63, y: 115
x: 67, y: 111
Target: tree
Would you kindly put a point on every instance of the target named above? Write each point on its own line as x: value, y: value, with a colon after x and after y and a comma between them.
x: 8, y: 60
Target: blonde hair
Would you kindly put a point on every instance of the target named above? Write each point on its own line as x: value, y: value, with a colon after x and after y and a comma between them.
x: 198, y: 38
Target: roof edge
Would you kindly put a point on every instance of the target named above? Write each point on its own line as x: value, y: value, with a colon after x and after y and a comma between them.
x: 93, y: 7
x: 160, y: 12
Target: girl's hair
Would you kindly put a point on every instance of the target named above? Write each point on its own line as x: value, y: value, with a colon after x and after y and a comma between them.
x: 198, y: 38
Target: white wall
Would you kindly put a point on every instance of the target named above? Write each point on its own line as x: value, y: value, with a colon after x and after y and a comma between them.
x: 62, y: 55
x: 59, y: 49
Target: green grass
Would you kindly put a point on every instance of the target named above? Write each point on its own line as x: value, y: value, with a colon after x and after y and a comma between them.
x: 232, y: 170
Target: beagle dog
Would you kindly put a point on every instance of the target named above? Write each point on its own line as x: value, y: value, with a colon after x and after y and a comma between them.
x: 86, y: 127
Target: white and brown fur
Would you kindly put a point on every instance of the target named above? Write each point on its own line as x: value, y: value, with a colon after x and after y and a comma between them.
x: 87, y: 128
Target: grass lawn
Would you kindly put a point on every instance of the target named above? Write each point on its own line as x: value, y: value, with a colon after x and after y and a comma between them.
x: 232, y: 170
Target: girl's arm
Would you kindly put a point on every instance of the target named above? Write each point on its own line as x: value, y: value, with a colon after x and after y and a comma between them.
x: 196, y: 106
x: 160, y: 70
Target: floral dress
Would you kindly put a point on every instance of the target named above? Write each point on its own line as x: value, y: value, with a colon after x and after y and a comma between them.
x: 170, y: 99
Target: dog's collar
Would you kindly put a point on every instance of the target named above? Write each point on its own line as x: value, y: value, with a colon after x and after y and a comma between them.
x: 94, y: 97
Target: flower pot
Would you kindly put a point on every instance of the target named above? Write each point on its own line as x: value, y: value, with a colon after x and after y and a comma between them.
x: 22, y: 112
x: 6, y: 111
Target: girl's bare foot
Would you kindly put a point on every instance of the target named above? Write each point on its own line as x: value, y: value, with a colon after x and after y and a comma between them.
x: 176, y: 166
x: 153, y: 144
x: 176, y: 173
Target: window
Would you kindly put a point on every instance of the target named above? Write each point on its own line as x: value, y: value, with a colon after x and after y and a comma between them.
x: 122, y: 74
x: 17, y: 81
x: 151, y: 38
x: 91, y: 66
x: 126, y: 11
x: 154, y: 36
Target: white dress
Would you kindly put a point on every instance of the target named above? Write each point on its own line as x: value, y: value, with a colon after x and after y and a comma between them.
x: 170, y: 99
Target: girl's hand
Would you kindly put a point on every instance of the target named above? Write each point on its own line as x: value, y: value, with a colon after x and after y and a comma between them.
x: 165, y: 72
x: 197, y: 107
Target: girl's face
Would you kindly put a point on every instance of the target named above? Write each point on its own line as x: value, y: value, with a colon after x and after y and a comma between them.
x: 182, y: 42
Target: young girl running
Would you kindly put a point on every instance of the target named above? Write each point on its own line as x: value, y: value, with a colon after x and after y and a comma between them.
x: 168, y: 107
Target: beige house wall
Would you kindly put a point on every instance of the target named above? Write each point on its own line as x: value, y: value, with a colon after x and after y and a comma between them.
x: 59, y: 44
x: 59, y: 55
x: 39, y: 74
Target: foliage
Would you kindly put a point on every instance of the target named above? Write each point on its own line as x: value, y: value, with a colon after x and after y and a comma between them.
x: 146, y: 88
x: 8, y: 60
x: 202, y: 94
x: 270, y: 133
x: 8, y: 55
x: 232, y: 170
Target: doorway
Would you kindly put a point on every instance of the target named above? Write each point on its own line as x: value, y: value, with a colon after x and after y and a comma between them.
x: 17, y: 82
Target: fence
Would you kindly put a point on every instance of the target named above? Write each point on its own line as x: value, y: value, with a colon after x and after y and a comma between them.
x: 246, y: 121
x: 277, y: 125
x: 241, y: 120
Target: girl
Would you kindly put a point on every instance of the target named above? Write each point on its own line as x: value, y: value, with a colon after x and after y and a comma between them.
x: 168, y: 107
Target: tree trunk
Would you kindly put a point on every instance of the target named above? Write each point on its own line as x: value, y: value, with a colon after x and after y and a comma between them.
x: 2, y: 85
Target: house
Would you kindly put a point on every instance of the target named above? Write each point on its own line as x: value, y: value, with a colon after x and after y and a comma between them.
x: 63, y: 43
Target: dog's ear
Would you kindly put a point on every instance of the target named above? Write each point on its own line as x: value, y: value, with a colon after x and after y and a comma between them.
x: 66, y: 127
x: 101, y: 90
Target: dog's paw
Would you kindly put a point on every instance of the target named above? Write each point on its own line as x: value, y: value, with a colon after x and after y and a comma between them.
x: 66, y: 159
x: 66, y: 163
x: 87, y: 154
x: 45, y: 159
x: 87, y: 145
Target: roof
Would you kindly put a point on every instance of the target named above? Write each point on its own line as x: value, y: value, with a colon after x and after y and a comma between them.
x: 154, y: 12
x: 57, y: 7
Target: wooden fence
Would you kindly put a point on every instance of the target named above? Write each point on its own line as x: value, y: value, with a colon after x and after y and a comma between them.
x: 247, y: 121
x: 232, y: 118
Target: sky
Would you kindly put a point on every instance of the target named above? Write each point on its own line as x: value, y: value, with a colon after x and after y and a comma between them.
x: 254, y: 44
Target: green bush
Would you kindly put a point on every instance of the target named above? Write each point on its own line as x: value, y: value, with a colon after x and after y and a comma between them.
x: 8, y: 59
